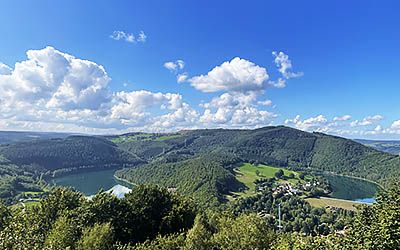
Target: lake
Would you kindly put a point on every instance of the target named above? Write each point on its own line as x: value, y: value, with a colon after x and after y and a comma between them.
x: 90, y: 183
x: 348, y: 188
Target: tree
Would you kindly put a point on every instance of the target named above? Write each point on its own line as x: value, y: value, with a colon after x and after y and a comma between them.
x: 99, y: 237
x: 244, y: 232
x: 279, y: 174
x: 151, y: 210
x: 377, y: 226
x: 65, y: 233
x: 5, y: 215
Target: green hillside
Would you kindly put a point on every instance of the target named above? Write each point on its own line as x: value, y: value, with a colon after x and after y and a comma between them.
x: 72, y: 152
x: 178, y: 163
x: 206, y: 177
x: 278, y: 146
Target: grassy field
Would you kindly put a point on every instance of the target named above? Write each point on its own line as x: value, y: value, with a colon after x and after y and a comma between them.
x: 247, y: 174
x: 32, y: 193
x: 132, y: 138
x: 145, y: 137
x: 168, y: 137
x: 26, y: 204
x: 332, y: 202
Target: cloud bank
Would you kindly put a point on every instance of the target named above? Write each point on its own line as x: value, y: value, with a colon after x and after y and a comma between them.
x: 54, y: 91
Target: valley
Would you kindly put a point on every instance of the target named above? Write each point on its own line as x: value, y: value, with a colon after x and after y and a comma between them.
x: 315, y: 182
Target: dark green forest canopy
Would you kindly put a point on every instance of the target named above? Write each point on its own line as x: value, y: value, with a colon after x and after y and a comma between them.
x: 154, y: 218
x: 192, y: 162
x: 74, y: 151
x: 277, y: 146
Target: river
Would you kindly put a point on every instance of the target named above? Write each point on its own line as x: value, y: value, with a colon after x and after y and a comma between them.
x: 343, y: 187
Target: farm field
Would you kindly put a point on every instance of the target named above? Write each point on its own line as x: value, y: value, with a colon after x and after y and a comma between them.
x: 248, y: 173
x: 332, y: 202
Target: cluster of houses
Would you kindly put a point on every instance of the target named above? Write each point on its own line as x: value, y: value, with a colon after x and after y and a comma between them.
x: 287, y: 188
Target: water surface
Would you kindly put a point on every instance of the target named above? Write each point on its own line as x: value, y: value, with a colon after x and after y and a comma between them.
x: 90, y: 183
x: 348, y: 188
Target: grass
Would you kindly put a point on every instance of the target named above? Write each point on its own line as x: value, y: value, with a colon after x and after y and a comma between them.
x: 26, y: 204
x: 168, y: 137
x: 145, y: 137
x: 132, y: 138
x: 332, y: 202
x: 32, y: 193
x: 247, y: 174
x: 31, y: 203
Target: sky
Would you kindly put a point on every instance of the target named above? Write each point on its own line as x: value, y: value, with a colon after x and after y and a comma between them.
x: 104, y: 67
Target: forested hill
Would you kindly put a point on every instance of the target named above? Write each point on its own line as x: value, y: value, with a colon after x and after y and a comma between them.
x: 71, y: 152
x: 277, y: 146
x: 20, y: 136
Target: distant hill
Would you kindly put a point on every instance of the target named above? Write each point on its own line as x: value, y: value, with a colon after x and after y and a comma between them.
x: 70, y: 152
x: 392, y: 147
x: 7, y: 137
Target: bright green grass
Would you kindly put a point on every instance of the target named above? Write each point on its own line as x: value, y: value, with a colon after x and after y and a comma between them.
x: 32, y: 193
x: 31, y: 203
x: 167, y: 137
x: 26, y: 204
x: 144, y: 137
x: 132, y: 138
x: 247, y: 175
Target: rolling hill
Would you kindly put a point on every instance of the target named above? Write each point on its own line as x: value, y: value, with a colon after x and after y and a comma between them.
x: 275, y: 146
x: 202, y: 162
x: 70, y: 152
x: 7, y: 137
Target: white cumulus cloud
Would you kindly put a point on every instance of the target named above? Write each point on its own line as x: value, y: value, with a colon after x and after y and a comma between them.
x: 369, y: 120
x: 342, y: 118
x: 5, y: 69
x: 235, y: 75
x: 173, y: 66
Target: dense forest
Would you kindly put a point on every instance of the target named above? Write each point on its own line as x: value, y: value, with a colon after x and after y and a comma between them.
x: 71, y: 152
x: 154, y: 218
x: 276, y: 146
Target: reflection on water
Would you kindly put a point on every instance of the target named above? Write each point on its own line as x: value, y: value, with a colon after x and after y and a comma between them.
x: 366, y: 200
x: 90, y: 183
x: 352, y: 189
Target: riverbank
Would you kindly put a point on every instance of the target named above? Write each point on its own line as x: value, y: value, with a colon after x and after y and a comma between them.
x: 124, y: 180
x: 355, y: 177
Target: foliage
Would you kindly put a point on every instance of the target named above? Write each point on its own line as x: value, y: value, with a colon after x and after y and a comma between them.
x: 99, y: 237
x: 206, y: 177
x: 297, y: 214
x: 377, y: 226
x: 65, y: 219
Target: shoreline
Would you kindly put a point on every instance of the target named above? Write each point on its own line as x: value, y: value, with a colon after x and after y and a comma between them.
x: 124, y: 180
x: 355, y: 177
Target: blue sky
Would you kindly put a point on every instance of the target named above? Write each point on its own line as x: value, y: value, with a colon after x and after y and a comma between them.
x: 343, y: 56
